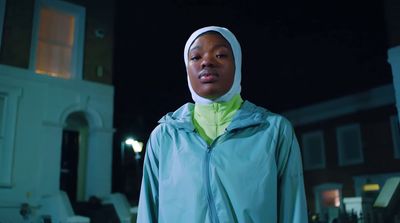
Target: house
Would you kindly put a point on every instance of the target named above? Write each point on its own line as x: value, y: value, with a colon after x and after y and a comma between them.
x: 56, y: 110
x: 347, y: 143
x: 351, y: 145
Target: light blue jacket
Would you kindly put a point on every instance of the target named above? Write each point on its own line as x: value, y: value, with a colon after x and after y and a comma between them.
x: 250, y: 174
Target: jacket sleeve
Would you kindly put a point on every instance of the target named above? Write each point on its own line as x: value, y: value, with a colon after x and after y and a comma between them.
x: 148, y: 200
x: 291, y: 193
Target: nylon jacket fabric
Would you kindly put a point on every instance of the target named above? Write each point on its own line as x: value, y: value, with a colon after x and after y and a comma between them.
x: 252, y: 173
x: 211, y: 120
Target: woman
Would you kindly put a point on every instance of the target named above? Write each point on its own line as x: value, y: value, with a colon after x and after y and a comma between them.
x: 221, y: 159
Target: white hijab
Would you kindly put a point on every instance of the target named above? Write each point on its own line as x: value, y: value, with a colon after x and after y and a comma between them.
x: 237, y: 54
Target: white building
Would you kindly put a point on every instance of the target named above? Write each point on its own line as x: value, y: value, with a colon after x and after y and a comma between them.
x: 56, y: 110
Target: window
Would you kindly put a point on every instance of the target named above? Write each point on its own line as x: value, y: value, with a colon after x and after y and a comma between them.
x: 57, y: 45
x: 328, y: 198
x: 8, y: 113
x: 361, y: 180
x: 394, y: 122
x: 313, y: 150
x: 2, y: 12
x: 349, y: 144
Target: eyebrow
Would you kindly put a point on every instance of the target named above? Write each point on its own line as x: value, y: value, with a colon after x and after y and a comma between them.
x: 216, y: 46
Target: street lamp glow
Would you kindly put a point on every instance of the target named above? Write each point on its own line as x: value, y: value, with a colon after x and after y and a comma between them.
x: 137, y: 146
x: 129, y: 141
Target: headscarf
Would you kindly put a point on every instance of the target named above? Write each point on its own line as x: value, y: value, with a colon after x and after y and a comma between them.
x: 237, y: 54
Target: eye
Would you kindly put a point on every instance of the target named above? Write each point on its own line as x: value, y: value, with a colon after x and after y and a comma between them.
x: 221, y: 55
x: 194, y: 58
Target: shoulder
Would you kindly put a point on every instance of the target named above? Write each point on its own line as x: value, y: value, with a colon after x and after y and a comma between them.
x: 267, y: 115
x: 181, y: 116
x: 281, y: 126
x: 173, y: 121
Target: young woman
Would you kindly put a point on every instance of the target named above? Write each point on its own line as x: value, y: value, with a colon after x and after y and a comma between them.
x: 221, y: 159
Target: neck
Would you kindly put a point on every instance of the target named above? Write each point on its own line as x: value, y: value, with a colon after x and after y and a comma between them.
x: 212, y: 119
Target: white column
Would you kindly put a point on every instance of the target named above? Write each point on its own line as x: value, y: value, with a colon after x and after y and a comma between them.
x: 394, y: 60
x: 99, y: 163
x: 50, y: 160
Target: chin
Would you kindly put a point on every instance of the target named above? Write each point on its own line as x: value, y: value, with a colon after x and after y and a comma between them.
x: 210, y: 95
x: 212, y: 98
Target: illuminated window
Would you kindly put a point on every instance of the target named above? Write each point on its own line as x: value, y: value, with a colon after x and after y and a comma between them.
x: 58, y: 39
x: 349, y: 144
x: 313, y: 150
x: 330, y: 198
x: 394, y: 122
x: 2, y: 12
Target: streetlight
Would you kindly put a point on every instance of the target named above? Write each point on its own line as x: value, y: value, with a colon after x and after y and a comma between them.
x: 131, y: 176
x: 136, y: 146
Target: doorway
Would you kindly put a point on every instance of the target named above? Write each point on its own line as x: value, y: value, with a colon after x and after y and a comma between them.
x: 74, y: 157
x: 69, y: 163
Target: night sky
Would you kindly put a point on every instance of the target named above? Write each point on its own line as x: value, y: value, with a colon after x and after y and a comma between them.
x: 295, y: 53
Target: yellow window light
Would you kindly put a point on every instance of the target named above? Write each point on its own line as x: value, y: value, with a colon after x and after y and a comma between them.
x: 371, y: 187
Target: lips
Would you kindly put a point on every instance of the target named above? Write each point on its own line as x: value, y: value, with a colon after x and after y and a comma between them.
x: 208, y: 76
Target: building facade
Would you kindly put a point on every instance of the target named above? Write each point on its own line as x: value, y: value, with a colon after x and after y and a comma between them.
x: 56, y: 109
x: 347, y: 143
x: 353, y: 142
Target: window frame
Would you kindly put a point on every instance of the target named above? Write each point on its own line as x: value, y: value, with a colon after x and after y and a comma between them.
x: 308, y: 165
x: 340, y: 145
x: 79, y: 33
x: 318, y: 189
x: 7, y: 133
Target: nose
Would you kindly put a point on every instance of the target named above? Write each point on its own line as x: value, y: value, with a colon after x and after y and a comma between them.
x: 208, y: 61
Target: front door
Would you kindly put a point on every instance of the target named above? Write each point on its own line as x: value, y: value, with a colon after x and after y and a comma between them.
x: 69, y: 163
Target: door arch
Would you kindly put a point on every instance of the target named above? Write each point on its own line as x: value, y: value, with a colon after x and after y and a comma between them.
x: 74, y: 152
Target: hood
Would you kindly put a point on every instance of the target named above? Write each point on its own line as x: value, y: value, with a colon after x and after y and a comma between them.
x: 237, y: 54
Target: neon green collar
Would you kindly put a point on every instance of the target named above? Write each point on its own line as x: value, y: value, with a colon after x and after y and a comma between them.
x: 211, y: 120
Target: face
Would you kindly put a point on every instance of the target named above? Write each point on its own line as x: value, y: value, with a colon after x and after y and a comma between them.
x: 211, y: 66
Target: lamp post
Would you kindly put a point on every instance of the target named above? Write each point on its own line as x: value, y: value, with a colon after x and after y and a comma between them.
x: 131, y: 181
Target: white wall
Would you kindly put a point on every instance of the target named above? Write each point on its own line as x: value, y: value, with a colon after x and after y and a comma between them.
x: 42, y: 108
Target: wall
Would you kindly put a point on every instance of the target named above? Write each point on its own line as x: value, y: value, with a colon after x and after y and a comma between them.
x: 42, y: 110
x: 372, y: 110
x: 98, y: 51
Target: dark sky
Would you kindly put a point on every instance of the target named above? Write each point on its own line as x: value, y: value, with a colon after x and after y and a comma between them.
x: 295, y: 53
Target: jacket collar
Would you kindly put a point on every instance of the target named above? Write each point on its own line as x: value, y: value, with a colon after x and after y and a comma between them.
x: 248, y: 115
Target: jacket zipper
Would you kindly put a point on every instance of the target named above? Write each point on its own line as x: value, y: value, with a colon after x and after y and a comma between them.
x: 210, y: 199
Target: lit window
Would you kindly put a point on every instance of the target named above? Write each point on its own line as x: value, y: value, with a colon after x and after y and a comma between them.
x: 394, y: 122
x: 327, y: 200
x: 349, y: 144
x: 330, y: 198
x: 58, y: 39
x: 313, y: 150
